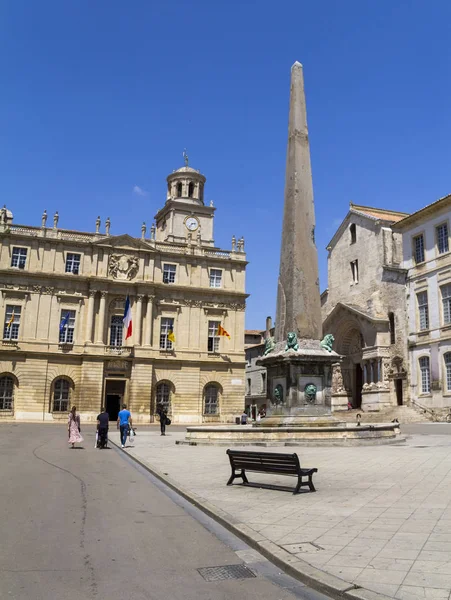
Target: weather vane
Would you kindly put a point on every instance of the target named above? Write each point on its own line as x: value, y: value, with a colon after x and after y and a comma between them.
x: 185, y: 157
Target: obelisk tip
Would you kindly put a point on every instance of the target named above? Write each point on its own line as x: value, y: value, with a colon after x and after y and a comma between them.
x: 297, y: 65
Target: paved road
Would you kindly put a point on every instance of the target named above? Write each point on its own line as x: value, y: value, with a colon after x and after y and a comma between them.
x: 87, y: 524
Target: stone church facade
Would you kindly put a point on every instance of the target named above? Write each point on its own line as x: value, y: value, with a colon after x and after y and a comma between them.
x: 63, y: 295
x: 364, y: 308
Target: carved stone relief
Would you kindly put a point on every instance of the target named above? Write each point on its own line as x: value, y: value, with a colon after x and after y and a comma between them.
x: 122, y: 266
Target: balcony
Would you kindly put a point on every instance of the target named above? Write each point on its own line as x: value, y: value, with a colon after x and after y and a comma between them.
x: 119, y: 351
x: 13, y: 344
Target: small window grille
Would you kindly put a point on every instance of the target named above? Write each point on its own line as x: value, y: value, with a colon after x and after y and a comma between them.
x: 61, y: 391
x: 418, y: 242
x: 12, y: 322
x: 425, y: 375
x: 213, y: 337
x: 166, y: 326
x: 116, y: 330
x: 211, y: 400
x: 215, y: 278
x: 423, y: 310
x: 73, y: 263
x: 6, y: 392
x: 169, y: 273
x: 19, y: 258
x: 67, y: 327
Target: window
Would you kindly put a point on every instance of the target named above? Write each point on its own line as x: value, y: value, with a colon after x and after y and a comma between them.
x: 211, y: 400
x: 423, y: 311
x: 447, y: 358
x: 418, y: 247
x: 61, y: 391
x: 67, y: 326
x: 249, y: 387
x: 215, y: 278
x: 446, y: 301
x: 164, y: 395
x: 190, y: 190
x: 213, y: 337
x: 442, y: 238
x: 6, y: 392
x: 116, y: 330
x: 166, y: 327
x: 73, y: 263
x: 263, y: 383
x: 12, y: 322
x: 179, y: 190
x: 391, y: 320
x: 355, y: 271
x: 169, y: 273
x: 425, y: 375
x: 19, y: 258
x: 353, y: 232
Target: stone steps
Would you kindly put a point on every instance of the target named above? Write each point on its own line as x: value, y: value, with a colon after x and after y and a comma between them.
x: 404, y: 414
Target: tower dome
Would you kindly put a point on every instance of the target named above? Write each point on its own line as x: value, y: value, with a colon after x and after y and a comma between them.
x: 186, y: 184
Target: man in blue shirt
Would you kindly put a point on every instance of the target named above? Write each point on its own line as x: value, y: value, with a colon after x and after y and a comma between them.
x: 124, y: 420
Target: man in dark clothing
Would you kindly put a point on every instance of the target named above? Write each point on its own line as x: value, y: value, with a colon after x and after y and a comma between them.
x: 103, y: 421
x: 162, y: 413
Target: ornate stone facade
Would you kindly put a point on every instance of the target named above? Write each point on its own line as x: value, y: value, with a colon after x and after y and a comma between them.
x: 62, y: 303
x: 364, y: 308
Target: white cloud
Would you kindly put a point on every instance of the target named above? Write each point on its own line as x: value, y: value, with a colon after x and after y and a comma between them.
x: 139, y: 191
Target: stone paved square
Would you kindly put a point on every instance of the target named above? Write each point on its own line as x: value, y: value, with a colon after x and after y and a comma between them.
x: 380, y: 518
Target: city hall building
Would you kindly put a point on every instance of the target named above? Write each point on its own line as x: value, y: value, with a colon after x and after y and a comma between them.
x: 63, y: 297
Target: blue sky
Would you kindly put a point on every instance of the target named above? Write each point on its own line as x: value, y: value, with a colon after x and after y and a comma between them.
x: 100, y: 97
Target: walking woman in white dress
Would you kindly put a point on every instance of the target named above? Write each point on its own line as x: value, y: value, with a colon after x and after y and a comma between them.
x: 73, y: 427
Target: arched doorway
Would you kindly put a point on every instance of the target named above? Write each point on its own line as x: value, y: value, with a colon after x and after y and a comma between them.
x: 350, y: 345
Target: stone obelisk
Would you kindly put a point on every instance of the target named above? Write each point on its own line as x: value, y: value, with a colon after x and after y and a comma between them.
x: 298, y: 363
x: 298, y: 297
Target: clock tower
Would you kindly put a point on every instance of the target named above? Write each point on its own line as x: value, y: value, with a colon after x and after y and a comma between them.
x: 185, y: 215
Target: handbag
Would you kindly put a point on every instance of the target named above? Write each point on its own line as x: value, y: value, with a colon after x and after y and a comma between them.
x: 168, y: 421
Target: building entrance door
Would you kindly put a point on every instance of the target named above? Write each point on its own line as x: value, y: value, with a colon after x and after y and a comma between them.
x: 114, y: 397
x: 398, y: 387
x: 358, y: 386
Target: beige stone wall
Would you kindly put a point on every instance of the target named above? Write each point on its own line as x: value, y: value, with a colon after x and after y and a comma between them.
x: 44, y: 292
x: 379, y: 291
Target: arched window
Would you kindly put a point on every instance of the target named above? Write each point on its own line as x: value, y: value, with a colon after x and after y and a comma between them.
x: 211, y: 400
x: 391, y: 320
x: 6, y: 392
x: 353, y: 232
x: 164, y: 395
x: 447, y: 358
x: 190, y: 189
x: 179, y: 190
x: 425, y: 375
x: 61, y: 395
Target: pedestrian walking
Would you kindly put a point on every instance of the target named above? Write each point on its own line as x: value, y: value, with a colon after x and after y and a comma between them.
x: 103, y: 421
x: 124, y: 421
x: 73, y: 427
x: 244, y: 418
x: 163, y: 414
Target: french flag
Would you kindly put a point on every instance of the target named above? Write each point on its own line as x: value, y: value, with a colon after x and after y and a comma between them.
x: 127, y: 320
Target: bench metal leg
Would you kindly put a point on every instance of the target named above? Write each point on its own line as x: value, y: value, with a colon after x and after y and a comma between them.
x: 234, y: 476
x: 301, y: 483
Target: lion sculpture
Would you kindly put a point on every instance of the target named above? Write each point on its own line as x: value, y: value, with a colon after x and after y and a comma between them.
x: 292, y: 342
x: 327, y: 342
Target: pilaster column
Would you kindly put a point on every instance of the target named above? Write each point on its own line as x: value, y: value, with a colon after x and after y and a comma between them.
x: 139, y: 313
x: 379, y: 369
x: 365, y: 372
x: 90, y: 317
x: 371, y: 371
x: 101, y: 330
x: 149, y: 320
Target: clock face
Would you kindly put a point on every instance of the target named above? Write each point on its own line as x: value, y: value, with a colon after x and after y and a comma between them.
x: 191, y: 223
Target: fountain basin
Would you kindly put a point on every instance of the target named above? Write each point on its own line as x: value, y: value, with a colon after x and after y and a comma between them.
x: 338, y: 434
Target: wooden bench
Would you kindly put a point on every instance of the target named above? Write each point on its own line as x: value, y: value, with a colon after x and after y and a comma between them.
x: 269, y: 462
